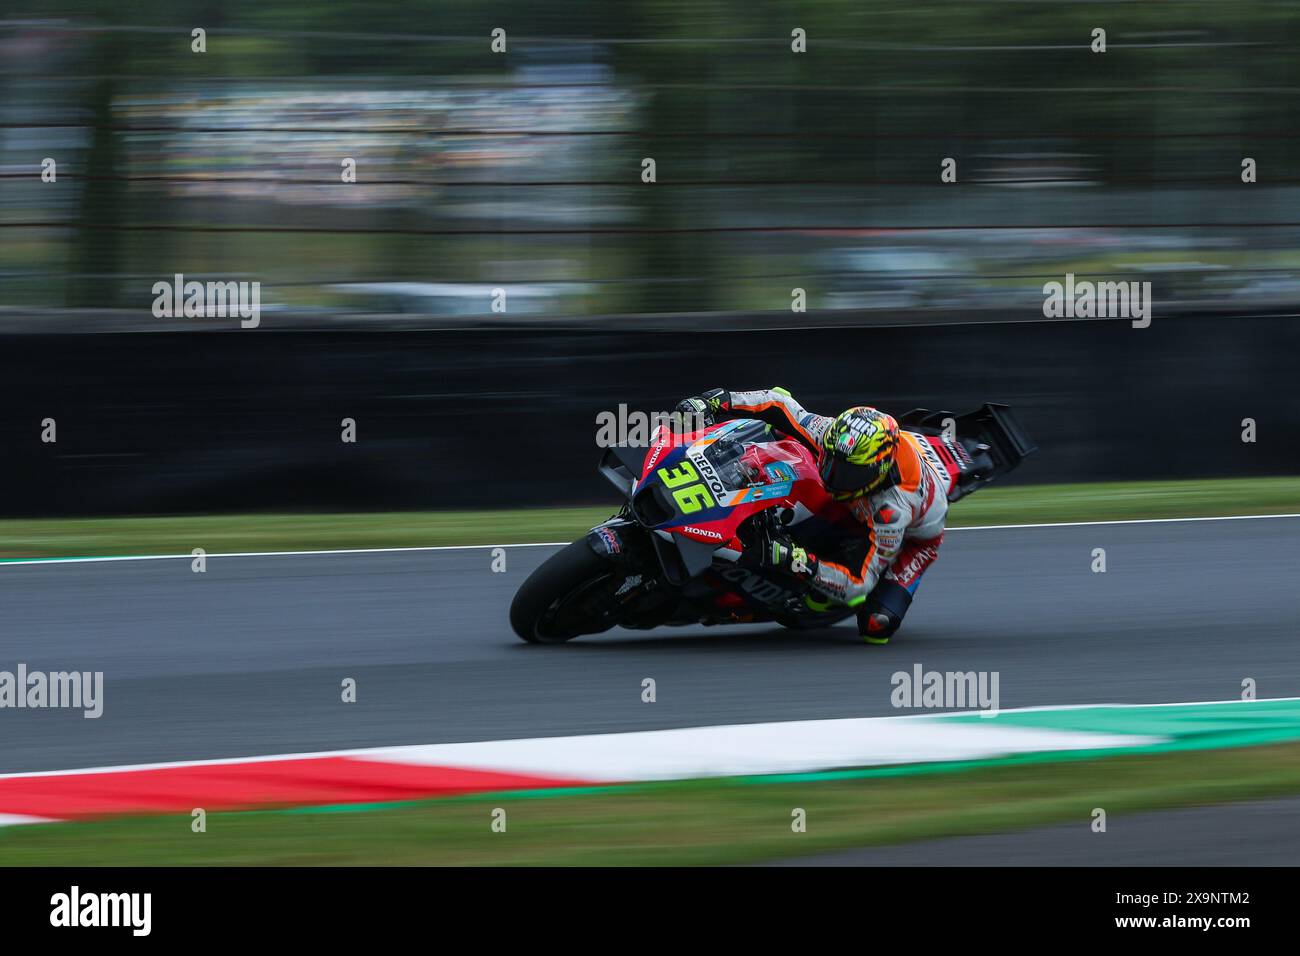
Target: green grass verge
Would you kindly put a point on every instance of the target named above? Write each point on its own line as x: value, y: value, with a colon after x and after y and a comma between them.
x: 698, y: 822
x: 81, y: 537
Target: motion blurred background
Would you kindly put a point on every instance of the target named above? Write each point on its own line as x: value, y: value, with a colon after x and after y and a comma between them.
x: 522, y: 171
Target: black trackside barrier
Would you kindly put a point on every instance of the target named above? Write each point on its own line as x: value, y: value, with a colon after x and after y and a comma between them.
x: 249, y: 420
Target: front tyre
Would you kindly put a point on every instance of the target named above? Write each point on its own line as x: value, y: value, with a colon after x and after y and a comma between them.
x: 570, y: 593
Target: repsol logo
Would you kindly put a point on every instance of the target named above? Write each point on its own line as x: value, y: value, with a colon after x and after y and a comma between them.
x: 708, y: 473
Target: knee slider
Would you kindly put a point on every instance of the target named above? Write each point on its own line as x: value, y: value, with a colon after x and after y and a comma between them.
x: 884, y: 610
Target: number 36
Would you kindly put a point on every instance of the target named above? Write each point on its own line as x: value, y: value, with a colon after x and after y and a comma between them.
x: 692, y: 497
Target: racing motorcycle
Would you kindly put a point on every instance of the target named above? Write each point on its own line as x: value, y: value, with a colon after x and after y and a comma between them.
x: 696, y: 502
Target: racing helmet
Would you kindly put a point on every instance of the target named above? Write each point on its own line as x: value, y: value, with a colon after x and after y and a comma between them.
x: 859, y: 453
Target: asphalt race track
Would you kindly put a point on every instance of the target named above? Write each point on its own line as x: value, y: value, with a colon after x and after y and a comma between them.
x: 248, y: 657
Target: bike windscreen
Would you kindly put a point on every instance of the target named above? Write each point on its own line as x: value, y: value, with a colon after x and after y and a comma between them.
x: 724, y: 456
x: 727, y: 453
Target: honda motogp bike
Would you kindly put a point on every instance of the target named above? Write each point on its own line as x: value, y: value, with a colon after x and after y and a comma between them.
x: 696, y: 503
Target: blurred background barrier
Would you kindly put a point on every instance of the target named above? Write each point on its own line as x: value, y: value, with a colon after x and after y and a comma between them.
x: 523, y: 169
x: 222, y: 421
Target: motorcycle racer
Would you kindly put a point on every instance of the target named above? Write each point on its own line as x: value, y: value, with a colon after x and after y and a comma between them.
x: 888, y: 483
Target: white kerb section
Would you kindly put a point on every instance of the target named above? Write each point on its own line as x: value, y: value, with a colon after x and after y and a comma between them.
x: 741, y: 749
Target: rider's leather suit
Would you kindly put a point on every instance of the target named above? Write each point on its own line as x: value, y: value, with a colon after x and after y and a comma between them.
x: 904, y: 520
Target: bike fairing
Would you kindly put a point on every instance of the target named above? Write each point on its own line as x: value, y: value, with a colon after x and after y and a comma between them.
x: 699, y: 491
x: 708, y: 484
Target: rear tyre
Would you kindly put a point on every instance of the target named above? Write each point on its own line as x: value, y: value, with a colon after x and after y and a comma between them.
x: 571, y: 593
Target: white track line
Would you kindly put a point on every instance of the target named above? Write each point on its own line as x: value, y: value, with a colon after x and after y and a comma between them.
x: 4, y: 562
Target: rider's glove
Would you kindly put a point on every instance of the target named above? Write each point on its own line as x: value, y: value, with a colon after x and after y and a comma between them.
x: 779, y: 553
x: 705, y: 409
